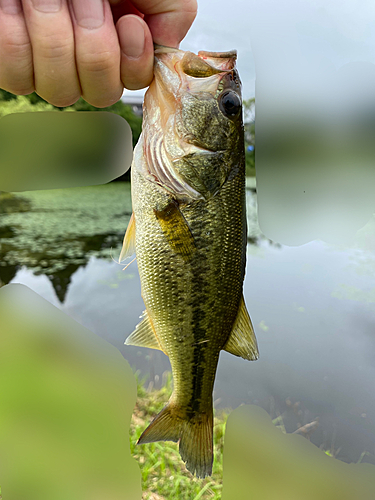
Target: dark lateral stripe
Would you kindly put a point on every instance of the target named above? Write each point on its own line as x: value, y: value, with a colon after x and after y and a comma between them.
x: 200, y: 290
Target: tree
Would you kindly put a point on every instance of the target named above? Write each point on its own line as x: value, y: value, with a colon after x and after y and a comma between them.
x: 249, y: 126
x: 34, y: 99
x: 249, y: 110
x: 20, y: 104
x: 6, y: 96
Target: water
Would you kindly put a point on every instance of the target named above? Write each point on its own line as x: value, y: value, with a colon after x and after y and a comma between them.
x: 312, y: 308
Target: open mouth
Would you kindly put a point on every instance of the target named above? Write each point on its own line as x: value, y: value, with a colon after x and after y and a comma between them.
x: 231, y: 54
x: 201, y: 65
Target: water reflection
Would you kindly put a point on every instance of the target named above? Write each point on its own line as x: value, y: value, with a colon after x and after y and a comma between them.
x: 54, y: 233
x: 312, y: 308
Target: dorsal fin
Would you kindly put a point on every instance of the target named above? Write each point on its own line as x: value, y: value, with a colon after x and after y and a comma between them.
x: 128, y: 245
x: 144, y: 335
x: 242, y: 341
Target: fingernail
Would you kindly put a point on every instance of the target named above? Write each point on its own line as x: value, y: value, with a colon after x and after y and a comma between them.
x: 11, y: 6
x: 132, y: 36
x: 89, y: 14
x: 47, y: 5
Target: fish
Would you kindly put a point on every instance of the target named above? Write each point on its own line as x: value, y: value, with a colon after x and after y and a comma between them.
x: 188, y: 230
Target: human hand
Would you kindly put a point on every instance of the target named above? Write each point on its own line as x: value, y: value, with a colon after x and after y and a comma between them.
x: 63, y: 49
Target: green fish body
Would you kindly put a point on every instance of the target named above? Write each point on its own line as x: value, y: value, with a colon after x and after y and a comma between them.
x: 189, y: 226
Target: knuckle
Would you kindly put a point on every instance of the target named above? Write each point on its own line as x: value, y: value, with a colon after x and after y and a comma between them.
x: 101, y: 62
x: 15, y: 46
x: 54, y: 48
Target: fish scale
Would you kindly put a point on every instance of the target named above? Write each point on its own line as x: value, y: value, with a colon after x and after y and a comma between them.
x: 191, y: 253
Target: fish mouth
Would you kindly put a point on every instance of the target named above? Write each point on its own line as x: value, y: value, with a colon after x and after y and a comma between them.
x: 217, y: 61
x: 177, y: 71
x: 230, y: 54
x: 164, y: 49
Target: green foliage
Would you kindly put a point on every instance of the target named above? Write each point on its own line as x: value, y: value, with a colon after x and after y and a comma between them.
x: 250, y: 163
x: 22, y: 105
x: 249, y: 125
x: 34, y: 98
x: 6, y: 96
x: 119, y: 108
x: 249, y: 110
x: 10, y: 103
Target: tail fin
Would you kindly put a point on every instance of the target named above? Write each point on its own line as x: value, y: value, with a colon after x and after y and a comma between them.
x: 196, y: 444
x: 166, y: 426
x: 195, y: 435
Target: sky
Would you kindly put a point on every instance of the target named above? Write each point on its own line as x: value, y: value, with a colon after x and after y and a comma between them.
x: 311, y: 66
x: 284, y: 35
x: 222, y: 28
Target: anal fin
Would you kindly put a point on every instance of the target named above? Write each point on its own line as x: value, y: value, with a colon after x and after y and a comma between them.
x: 144, y: 335
x: 242, y: 341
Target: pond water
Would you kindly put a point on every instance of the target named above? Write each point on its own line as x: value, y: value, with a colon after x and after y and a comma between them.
x: 312, y: 308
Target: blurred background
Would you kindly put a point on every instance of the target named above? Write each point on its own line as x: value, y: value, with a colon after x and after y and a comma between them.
x: 312, y: 305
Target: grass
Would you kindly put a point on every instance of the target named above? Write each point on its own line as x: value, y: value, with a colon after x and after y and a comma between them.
x: 164, y: 476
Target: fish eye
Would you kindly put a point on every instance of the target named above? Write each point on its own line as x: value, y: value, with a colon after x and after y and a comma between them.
x: 229, y: 103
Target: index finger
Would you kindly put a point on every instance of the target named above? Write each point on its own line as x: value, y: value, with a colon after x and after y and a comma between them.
x: 168, y: 20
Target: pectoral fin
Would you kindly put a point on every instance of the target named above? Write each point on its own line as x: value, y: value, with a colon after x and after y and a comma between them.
x: 144, y: 335
x: 242, y: 341
x: 176, y: 230
x: 128, y: 246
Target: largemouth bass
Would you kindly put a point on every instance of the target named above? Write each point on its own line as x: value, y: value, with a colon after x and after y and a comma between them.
x: 189, y: 231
